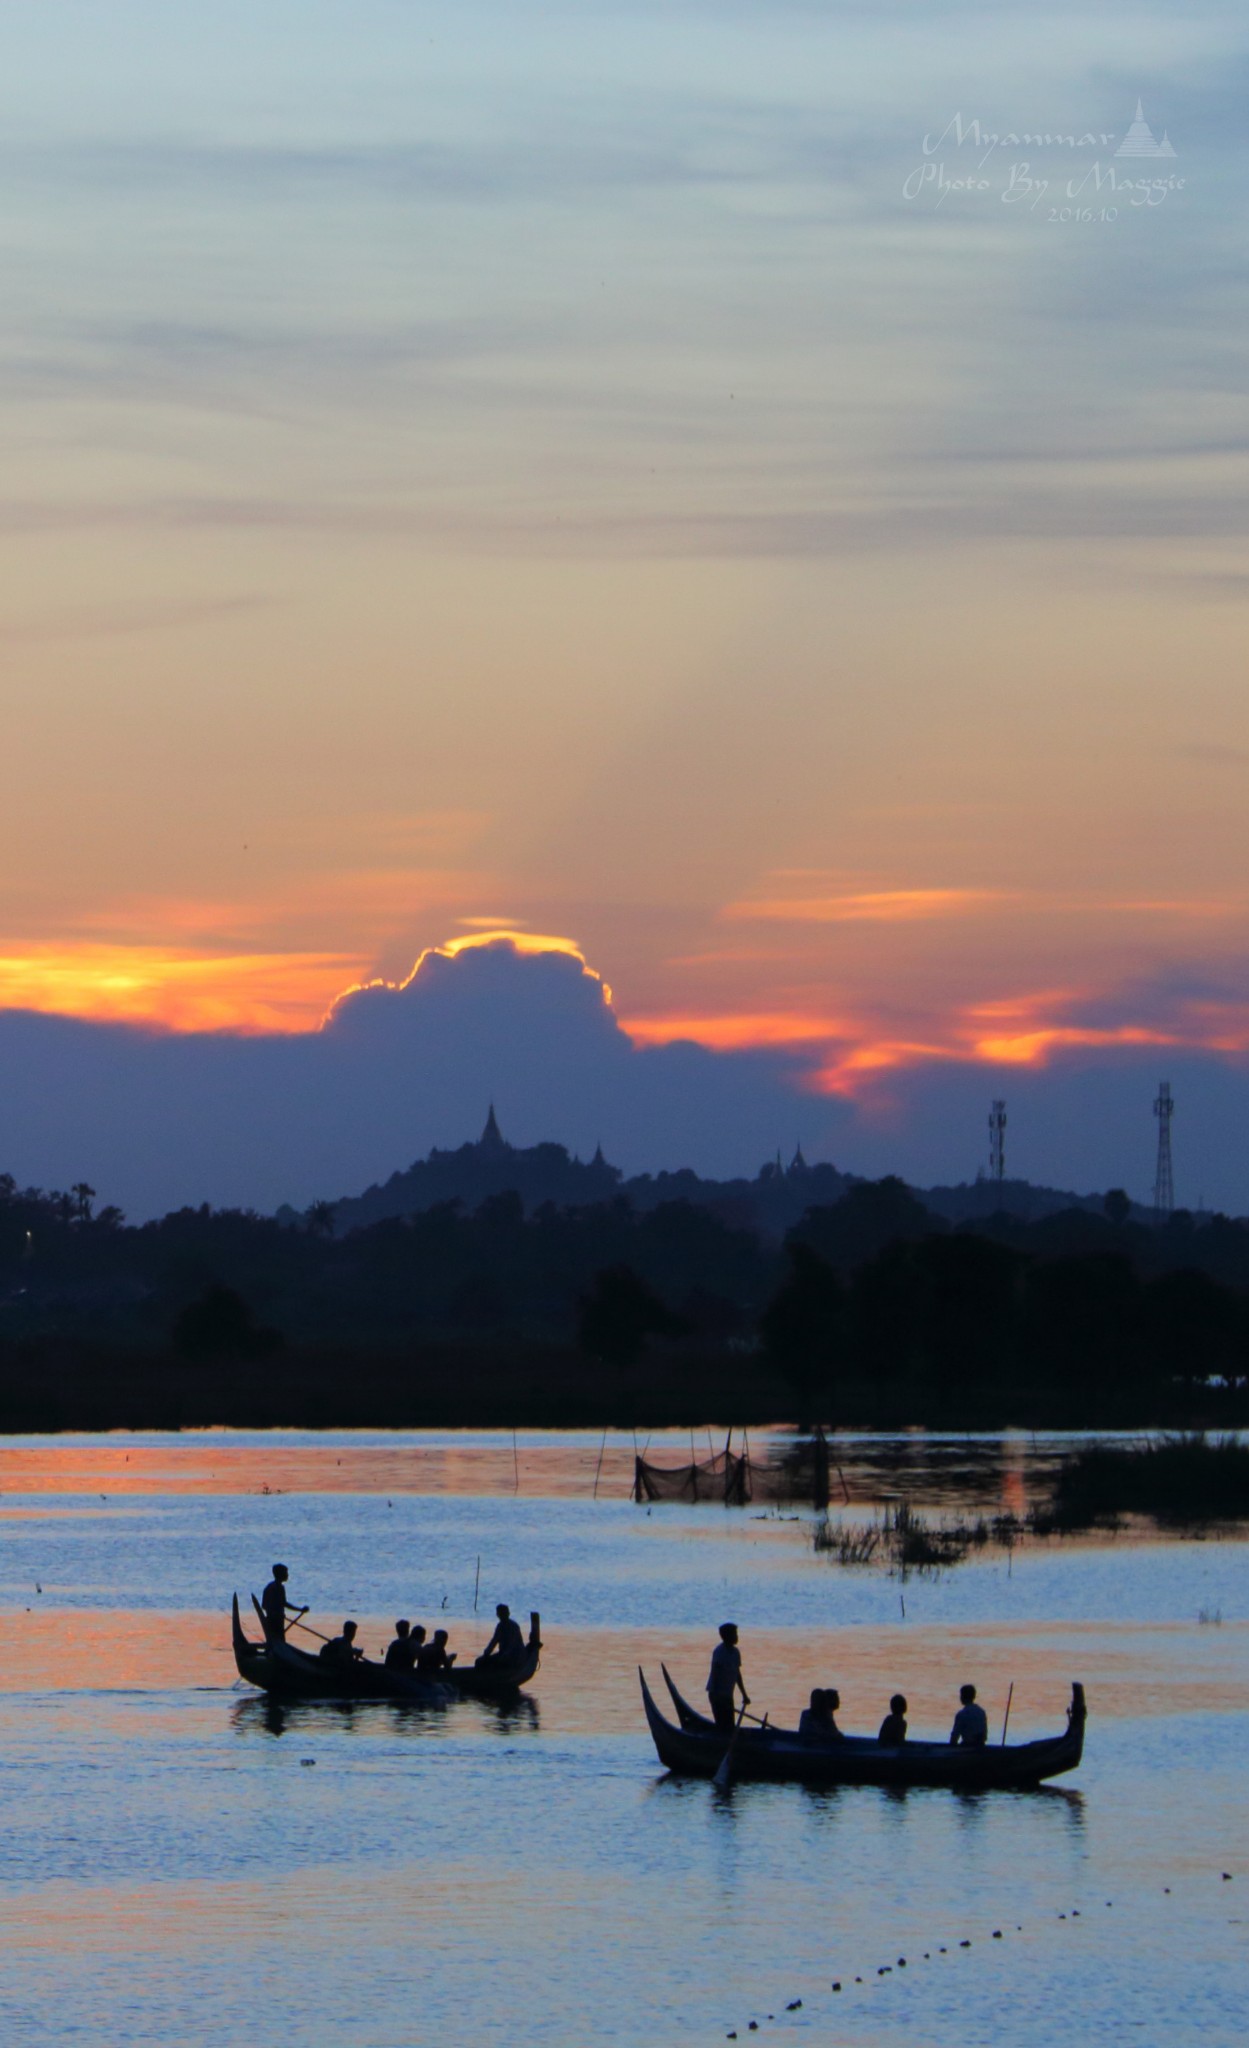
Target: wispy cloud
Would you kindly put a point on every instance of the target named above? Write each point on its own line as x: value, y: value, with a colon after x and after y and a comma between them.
x: 733, y: 1032
x: 109, y: 622
x: 873, y: 906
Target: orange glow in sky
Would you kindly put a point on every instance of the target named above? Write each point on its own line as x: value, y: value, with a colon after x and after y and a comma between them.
x: 171, y: 991
x: 871, y: 906
x: 178, y: 990
x: 1033, y: 1048
x: 733, y: 1033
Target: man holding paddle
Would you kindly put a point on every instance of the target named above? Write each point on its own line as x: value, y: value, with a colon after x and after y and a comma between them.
x: 276, y: 1606
x: 726, y: 1678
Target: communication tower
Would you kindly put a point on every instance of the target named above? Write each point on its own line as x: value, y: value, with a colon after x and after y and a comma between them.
x: 997, y: 1141
x: 1164, y: 1191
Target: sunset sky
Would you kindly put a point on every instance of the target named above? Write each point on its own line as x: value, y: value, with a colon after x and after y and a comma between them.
x: 535, y: 470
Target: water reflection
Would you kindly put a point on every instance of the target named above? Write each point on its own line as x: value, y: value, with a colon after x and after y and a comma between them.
x: 277, y: 1717
x: 507, y: 1716
x: 401, y: 1719
x: 156, y: 1834
x: 1002, y: 1473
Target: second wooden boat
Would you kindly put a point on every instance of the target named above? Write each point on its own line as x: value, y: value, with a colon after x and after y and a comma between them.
x: 695, y: 1747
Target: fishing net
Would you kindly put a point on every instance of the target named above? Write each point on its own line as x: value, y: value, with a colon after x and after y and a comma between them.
x: 725, y: 1477
x: 798, y: 1474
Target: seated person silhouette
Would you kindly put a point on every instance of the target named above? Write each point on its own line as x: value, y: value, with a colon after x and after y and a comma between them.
x: 343, y: 1649
x: 971, y: 1723
x: 401, y: 1654
x: 816, y: 1722
x: 432, y: 1658
x: 893, y: 1727
x: 507, y: 1643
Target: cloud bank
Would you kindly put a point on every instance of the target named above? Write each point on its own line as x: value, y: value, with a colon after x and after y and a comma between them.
x: 156, y: 1119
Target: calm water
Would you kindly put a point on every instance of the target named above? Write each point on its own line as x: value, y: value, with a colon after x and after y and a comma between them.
x: 178, y: 1864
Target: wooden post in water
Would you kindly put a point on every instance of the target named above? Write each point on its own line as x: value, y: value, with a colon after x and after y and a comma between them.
x: 598, y: 1468
x: 819, y: 1475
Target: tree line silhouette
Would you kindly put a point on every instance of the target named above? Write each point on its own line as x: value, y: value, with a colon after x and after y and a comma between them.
x: 872, y: 1308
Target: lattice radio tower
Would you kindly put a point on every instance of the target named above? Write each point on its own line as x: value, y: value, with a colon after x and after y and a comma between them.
x: 1164, y: 1190
x: 997, y: 1141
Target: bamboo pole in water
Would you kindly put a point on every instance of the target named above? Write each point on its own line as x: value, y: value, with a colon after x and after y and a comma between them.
x: 598, y: 1468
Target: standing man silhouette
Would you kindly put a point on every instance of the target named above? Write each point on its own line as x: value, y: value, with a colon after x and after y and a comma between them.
x: 726, y: 1678
x: 276, y: 1606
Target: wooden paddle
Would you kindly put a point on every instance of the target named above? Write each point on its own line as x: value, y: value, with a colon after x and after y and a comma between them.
x: 1006, y: 1716
x: 296, y: 1623
x: 724, y: 1771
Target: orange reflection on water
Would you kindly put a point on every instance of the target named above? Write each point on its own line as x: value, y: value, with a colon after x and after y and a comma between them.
x: 587, y: 1684
x: 218, y: 1462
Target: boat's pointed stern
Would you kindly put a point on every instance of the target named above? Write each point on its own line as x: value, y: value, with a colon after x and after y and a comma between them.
x: 665, y: 1737
x: 1077, y: 1715
x: 686, y: 1716
x: 654, y: 1719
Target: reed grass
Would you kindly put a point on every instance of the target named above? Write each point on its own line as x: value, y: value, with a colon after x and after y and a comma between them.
x: 905, y: 1541
x: 1186, y: 1479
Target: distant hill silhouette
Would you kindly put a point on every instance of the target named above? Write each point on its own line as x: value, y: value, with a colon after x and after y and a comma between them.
x: 772, y: 1202
x: 976, y: 1201
x: 472, y: 1173
x: 666, y: 1299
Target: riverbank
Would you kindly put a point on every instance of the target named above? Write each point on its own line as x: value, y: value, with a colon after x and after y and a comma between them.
x: 69, y: 1386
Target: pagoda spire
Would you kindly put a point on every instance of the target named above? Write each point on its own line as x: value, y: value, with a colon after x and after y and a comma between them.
x: 492, y: 1139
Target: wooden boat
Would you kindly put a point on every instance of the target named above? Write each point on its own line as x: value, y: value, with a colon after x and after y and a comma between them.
x: 695, y: 1747
x: 292, y: 1674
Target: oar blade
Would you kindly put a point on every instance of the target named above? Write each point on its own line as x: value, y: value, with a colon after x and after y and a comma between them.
x: 724, y: 1769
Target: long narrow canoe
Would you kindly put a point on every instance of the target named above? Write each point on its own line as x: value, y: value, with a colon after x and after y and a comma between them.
x: 291, y: 1674
x: 694, y: 1748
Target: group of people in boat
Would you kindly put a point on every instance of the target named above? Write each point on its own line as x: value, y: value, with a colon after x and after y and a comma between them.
x: 412, y: 1649
x: 818, y: 1720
